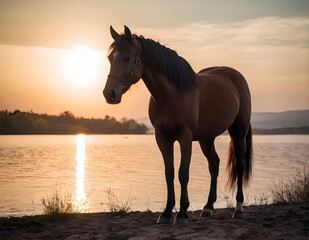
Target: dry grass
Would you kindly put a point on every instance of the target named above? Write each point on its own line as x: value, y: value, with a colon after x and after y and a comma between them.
x: 61, y: 203
x: 294, y: 190
x: 57, y: 203
x: 117, y: 206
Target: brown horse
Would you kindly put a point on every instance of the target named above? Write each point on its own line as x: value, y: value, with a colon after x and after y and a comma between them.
x: 185, y: 107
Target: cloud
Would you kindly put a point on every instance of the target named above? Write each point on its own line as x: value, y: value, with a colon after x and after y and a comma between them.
x: 267, y: 31
x: 264, y: 42
x: 272, y: 53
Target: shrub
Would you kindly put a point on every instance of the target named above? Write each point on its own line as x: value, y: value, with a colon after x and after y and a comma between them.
x: 294, y: 190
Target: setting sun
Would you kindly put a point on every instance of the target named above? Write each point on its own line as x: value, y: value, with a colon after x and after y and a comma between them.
x: 82, y: 65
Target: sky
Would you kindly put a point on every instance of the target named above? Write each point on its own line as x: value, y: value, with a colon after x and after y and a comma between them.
x: 53, y: 52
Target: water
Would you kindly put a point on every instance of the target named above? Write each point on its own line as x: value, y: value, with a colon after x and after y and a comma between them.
x: 31, y: 166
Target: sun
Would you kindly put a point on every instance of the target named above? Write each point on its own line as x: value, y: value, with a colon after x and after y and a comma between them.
x: 82, y: 65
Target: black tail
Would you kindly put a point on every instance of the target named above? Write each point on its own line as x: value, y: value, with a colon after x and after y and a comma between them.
x: 248, y: 157
x: 247, y: 164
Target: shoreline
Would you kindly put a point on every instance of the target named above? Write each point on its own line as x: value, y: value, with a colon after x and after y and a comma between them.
x: 275, y: 221
x: 256, y: 132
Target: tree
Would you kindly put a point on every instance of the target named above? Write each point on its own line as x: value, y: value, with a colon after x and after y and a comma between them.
x: 41, y: 125
x: 18, y: 122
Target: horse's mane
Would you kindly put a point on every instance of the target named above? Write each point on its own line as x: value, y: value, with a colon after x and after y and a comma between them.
x: 167, y: 62
x: 163, y: 60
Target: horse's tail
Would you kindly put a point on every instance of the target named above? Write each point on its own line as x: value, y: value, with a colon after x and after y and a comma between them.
x: 248, y: 157
x: 246, y: 165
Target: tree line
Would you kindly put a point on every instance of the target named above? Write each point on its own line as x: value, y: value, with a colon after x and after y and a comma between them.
x: 18, y: 122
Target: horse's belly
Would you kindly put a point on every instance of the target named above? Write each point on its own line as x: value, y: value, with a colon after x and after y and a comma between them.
x: 210, y: 130
x: 215, y: 118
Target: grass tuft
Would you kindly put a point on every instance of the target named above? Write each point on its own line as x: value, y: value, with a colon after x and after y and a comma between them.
x: 61, y: 203
x: 294, y: 190
x: 57, y: 203
x: 115, y: 205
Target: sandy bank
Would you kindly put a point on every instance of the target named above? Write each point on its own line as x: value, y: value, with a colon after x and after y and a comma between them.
x: 261, y: 222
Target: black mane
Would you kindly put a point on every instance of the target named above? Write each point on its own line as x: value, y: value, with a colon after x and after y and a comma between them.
x: 163, y: 60
x: 167, y: 62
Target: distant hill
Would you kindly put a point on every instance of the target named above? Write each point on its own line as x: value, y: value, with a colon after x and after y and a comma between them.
x: 288, y: 122
x: 288, y: 119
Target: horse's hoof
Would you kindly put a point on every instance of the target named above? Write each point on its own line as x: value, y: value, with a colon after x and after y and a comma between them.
x: 207, y: 212
x: 239, y: 211
x: 181, y: 219
x: 164, y: 219
x: 238, y: 214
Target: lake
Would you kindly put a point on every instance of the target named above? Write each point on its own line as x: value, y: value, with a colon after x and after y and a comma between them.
x: 86, y: 166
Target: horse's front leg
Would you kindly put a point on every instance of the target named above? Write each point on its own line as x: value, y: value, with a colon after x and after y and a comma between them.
x: 186, y: 149
x: 166, y: 147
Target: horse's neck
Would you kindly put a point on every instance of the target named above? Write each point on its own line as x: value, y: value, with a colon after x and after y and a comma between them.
x: 158, y: 85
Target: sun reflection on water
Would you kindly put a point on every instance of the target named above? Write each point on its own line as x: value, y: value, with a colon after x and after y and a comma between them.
x: 80, y: 167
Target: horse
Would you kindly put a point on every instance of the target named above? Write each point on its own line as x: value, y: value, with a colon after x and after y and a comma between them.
x: 186, y: 106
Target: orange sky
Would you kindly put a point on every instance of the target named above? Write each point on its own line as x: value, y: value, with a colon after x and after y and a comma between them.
x: 44, y: 68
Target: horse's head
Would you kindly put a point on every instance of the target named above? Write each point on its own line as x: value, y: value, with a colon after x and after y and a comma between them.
x: 125, y: 67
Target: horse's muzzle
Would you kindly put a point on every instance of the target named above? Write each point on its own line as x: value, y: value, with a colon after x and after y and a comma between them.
x: 112, y: 96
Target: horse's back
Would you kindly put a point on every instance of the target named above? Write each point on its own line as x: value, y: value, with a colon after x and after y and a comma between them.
x: 224, y: 96
x: 235, y: 76
x: 230, y: 75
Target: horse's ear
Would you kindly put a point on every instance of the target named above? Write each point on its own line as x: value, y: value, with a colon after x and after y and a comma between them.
x: 127, y: 31
x: 113, y: 33
x: 129, y: 35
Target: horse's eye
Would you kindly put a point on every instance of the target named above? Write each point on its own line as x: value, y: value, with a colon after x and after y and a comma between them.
x: 126, y: 59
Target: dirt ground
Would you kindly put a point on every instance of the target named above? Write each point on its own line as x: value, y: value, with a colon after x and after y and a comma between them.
x: 275, y: 221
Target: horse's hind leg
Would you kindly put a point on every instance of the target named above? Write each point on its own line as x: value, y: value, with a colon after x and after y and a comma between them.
x: 209, y: 151
x: 238, y: 149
